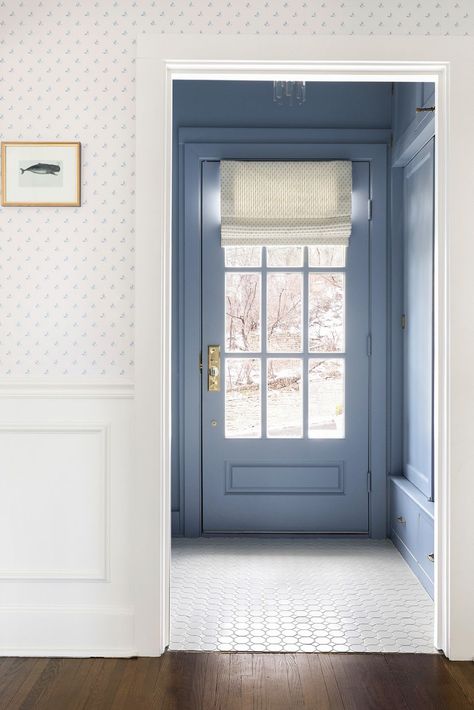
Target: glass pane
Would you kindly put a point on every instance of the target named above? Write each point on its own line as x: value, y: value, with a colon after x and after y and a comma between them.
x: 243, y: 256
x: 284, y: 256
x: 327, y: 256
x: 284, y: 298
x: 242, y: 398
x: 326, y: 399
x: 284, y: 398
x: 326, y: 312
x: 242, y: 307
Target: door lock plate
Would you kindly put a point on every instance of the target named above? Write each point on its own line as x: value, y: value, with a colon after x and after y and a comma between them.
x: 214, y: 368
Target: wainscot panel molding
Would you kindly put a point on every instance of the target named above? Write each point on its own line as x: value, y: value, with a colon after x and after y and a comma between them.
x: 55, y: 481
x: 68, y: 388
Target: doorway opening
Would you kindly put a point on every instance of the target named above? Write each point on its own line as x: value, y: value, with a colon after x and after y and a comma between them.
x: 302, y: 483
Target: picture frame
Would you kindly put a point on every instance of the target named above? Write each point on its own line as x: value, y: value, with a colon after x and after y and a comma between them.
x: 41, y: 174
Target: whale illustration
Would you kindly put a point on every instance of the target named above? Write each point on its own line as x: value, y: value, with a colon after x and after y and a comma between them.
x: 42, y: 169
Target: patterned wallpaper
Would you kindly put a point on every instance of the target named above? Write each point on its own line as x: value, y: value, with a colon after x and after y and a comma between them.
x: 67, y: 73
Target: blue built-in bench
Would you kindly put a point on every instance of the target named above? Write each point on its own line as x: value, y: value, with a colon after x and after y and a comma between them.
x: 412, y: 528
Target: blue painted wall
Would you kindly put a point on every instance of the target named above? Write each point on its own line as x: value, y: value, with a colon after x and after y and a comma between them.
x: 250, y: 104
x: 410, y: 131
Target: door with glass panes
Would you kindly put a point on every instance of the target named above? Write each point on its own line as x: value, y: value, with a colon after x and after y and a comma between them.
x: 285, y: 411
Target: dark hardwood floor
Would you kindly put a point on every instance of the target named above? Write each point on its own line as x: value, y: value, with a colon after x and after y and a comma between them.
x: 237, y: 681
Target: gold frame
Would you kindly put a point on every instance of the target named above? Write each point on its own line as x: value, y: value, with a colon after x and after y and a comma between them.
x: 76, y: 203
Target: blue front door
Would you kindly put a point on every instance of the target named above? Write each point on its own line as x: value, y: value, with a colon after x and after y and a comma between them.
x: 285, y: 436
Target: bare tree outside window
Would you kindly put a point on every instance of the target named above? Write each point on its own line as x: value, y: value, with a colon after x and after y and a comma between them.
x: 284, y: 312
x: 242, y: 312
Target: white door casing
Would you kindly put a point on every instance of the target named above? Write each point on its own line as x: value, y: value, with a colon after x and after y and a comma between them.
x: 448, y: 62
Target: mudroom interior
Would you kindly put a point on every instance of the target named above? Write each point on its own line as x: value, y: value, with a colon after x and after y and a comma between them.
x: 303, y: 325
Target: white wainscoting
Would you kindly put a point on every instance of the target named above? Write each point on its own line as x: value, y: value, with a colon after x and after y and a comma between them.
x: 54, y: 482
x: 65, y: 527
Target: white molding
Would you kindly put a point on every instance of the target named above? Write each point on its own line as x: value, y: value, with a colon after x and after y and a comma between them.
x: 53, y: 575
x: 66, y: 652
x: 58, y: 575
x: 65, y: 388
x: 92, y: 609
x: 73, y: 631
x: 163, y: 58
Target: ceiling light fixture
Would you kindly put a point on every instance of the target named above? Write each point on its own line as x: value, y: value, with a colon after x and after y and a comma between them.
x: 289, y: 92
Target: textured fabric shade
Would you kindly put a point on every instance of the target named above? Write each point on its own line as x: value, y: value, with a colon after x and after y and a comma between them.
x: 286, y: 203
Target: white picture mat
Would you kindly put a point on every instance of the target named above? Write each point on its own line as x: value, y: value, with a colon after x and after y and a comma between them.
x: 66, y: 154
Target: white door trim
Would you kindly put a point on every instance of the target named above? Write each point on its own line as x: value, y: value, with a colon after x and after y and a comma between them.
x: 164, y: 58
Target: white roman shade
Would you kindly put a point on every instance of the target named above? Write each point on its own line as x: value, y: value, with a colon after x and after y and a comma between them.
x: 286, y: 202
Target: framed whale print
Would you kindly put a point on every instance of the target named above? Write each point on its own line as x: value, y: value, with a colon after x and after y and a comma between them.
x: 41, y: 174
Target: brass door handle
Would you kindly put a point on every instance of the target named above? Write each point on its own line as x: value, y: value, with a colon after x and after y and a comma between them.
x: 401, y: 520
x: 214, y: 368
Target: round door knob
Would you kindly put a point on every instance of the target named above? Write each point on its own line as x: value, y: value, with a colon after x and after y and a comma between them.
x: 214, y: 371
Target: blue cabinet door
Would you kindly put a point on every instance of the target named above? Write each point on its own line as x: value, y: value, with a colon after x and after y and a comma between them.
x: 285, y: 439
x: 418, y: 333
x: 408, y: 96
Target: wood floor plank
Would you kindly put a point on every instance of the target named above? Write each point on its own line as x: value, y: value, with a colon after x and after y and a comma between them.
x: 314, y: 691
x: 241, y: 687
x: 176, y: 681
x: 213, y: 687
x: 335, y: 696
x: 33, y: 690
x: 11, y: 669
x: 286, y: 663
x: 201, y: 692
x: 125, y: 683
x: 105, y: 684
x: 365, y: 681
x: 280, y: 684
x: 426, y: 683
x: 141, y: 690
x: 64, y: 691
x: 22, y: 675
x: 8, y: 664
x: 463, y: 674
x: 88, y: 671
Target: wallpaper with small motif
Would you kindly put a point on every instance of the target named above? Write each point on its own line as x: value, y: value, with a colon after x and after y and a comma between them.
x: 67, y: 72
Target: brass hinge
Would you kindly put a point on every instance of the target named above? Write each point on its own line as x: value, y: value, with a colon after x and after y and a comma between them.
x: 200, y: 362
x: 369, y: 345
x: 369, y: 481
x: 369, y: 209
x: 403, y: 321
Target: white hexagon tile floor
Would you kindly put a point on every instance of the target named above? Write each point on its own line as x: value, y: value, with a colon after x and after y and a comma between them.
x: 250, y: 594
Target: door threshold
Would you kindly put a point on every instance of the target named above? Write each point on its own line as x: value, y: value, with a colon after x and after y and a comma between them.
x: 274, y: 534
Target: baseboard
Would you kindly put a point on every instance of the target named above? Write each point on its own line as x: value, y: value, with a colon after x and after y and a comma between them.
x: 47, y: 652
x: 80, y: 632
